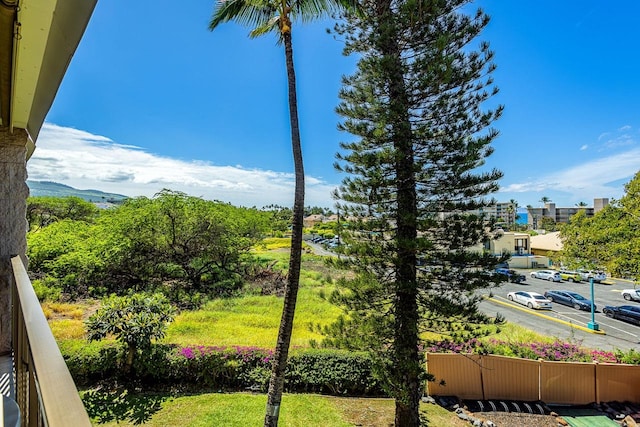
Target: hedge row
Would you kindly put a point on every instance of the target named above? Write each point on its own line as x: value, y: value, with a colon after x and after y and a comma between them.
x: 225, y: 368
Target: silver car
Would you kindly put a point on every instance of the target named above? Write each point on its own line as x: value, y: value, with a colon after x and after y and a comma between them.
x: 550, y: 275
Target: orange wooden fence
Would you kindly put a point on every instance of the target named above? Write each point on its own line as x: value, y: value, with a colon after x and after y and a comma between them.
x: 471, y: 376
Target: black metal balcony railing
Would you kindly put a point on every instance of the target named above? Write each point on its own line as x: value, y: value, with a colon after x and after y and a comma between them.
x: 44, y: 389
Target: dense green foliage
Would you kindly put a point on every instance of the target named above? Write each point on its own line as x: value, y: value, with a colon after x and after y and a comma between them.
x: 43, y: 211
x: 225, y: 368
x: 610, y: 239
x: 414, y: 106
x: 181, y: 245
x: 134, y: 320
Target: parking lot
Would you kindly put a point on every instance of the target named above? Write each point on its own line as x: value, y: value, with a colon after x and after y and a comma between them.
x: 565, y: 322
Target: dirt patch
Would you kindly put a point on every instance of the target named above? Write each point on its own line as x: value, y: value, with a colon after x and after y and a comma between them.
x: 509, y: 419
x: 366, y: 412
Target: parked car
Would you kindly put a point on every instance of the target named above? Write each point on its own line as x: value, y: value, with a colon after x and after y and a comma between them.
x: 631, y: 294
x: 596, y: 275
x: 569, y: 298
x: 530, y: 299
x: 511, y: 275
x: 550, y: 275
x: 628, y: 313
x: 571, y: 276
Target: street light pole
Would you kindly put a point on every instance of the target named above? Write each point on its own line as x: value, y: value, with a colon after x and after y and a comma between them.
x: 593, y: 325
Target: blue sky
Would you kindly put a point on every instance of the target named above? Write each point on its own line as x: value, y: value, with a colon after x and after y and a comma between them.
x: 153, y: 99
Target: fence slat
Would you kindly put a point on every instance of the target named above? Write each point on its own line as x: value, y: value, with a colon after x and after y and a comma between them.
x: 470, y: 376
x: 456, y: 375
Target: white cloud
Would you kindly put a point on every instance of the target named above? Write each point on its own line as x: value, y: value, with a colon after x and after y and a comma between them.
x: 584, y: 147
x: 598, y: 178
x: 621, y: 138
x: 624, y: 140
x: 83, y: 160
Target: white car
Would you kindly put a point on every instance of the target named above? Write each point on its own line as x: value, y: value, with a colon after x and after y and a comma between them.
x: 530, y: 299
x: 631, y: 294
x: 550, y: 275
x: 597, y: 276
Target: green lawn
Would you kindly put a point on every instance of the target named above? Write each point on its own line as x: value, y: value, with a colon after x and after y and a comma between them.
x: 244, y: 409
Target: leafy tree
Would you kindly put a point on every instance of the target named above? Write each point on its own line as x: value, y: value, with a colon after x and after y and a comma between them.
x: 134, y: 320
x: 184, y: 245
x: 281, y: 217
x: 43, y: 211
x: 414, y: 106
x: 610, y: 239
x: 317, y: 210
x: 197, y: 245
x: 62, y: 254
x: 266, y: 17
x: 548, y: 224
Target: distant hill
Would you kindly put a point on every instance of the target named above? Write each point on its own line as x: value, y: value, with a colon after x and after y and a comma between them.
x: 54, y: 189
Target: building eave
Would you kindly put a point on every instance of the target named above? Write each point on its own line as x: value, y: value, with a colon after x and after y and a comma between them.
x: 44, y: 36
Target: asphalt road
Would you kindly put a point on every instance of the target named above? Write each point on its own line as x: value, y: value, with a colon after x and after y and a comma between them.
x: 566, y: 322
x: 563, y: 322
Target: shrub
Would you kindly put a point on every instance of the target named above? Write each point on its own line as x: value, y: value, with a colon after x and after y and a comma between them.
x: 134, y: 320
x: 331, y: 372
x: 45, y: 290
x: 227, y: 368
x: 554, y: 351
x: 89, y: 363
x: 632, y: 357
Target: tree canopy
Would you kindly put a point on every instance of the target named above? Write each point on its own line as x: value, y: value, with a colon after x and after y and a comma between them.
x: 609, y: 239
x: 182, y: 244
x: 412, y: 176
x: 44, y: 210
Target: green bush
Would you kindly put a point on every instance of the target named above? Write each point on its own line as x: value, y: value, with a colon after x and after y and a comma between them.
x: 92, y: 362
x: 46, y: 289
x: 226, y: 368
x: 631, y: 357
x: 331, y: 372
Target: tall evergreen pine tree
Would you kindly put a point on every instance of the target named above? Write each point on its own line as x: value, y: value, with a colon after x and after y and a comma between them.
x: 412, y: 179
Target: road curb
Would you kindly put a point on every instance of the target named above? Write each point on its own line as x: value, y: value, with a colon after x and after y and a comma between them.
x: 544, y: 316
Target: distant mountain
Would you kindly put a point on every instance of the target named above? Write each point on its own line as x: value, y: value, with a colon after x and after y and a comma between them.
x: 54, y: 189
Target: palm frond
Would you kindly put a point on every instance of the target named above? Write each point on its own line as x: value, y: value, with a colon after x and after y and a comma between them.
x: 263, y: 15
x: 309, y: 10
x: 270, y: 26
x: 251, y: 13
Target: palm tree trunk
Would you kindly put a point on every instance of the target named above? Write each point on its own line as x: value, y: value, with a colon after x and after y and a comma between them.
x: 276, y: 383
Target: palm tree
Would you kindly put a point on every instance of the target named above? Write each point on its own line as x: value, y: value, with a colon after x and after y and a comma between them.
x: 266, y: 16
x: 581, y: 204
x: 544, y: 200
x: 513, y: 205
